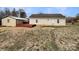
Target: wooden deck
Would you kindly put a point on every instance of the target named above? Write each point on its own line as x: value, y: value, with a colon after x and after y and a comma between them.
x: 25, y: 25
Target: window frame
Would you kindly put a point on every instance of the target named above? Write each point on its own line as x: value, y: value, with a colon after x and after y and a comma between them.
x: 58, y: 21
x: 48, y: 19
x: 36, y: 21
x: 8, y: 20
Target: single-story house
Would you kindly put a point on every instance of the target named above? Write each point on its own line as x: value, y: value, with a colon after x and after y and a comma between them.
x: 14, y: 21
x: 47, y: 19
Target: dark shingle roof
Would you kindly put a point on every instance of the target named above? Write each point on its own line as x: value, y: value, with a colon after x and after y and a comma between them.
x: 47, y: 16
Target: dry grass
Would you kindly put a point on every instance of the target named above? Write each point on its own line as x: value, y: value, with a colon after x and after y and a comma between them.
x: 39, y: 39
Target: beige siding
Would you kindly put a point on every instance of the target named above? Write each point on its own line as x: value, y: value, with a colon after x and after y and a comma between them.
x: 12, y: 22
x: 47, y: 21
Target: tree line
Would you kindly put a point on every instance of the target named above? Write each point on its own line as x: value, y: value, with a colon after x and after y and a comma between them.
x: 19, y: 13
x: 6, y: 12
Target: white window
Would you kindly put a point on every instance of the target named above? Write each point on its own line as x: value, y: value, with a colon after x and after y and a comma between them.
x: 57, y: 20
x: 8, y: 20
x: 36, y: 21
x: 48, y: 19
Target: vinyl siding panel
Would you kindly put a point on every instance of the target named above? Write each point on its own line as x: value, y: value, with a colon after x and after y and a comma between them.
x: 48, y: 21
x: 12, y: 22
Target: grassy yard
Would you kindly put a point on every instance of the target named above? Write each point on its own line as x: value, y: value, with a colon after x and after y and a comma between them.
x: 45, y: 38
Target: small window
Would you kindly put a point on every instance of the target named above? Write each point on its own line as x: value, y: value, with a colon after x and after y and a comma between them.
x: 8, y: 20
x: 57, y: 20
x: 48, y: 19
x: 36, y: 21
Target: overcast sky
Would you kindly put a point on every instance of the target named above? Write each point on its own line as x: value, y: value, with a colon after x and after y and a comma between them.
x: 68, y: 11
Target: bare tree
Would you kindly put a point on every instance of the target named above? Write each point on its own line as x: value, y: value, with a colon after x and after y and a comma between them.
x: 7, y: 12
x: 14, y: 13
x: 22, y: 13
